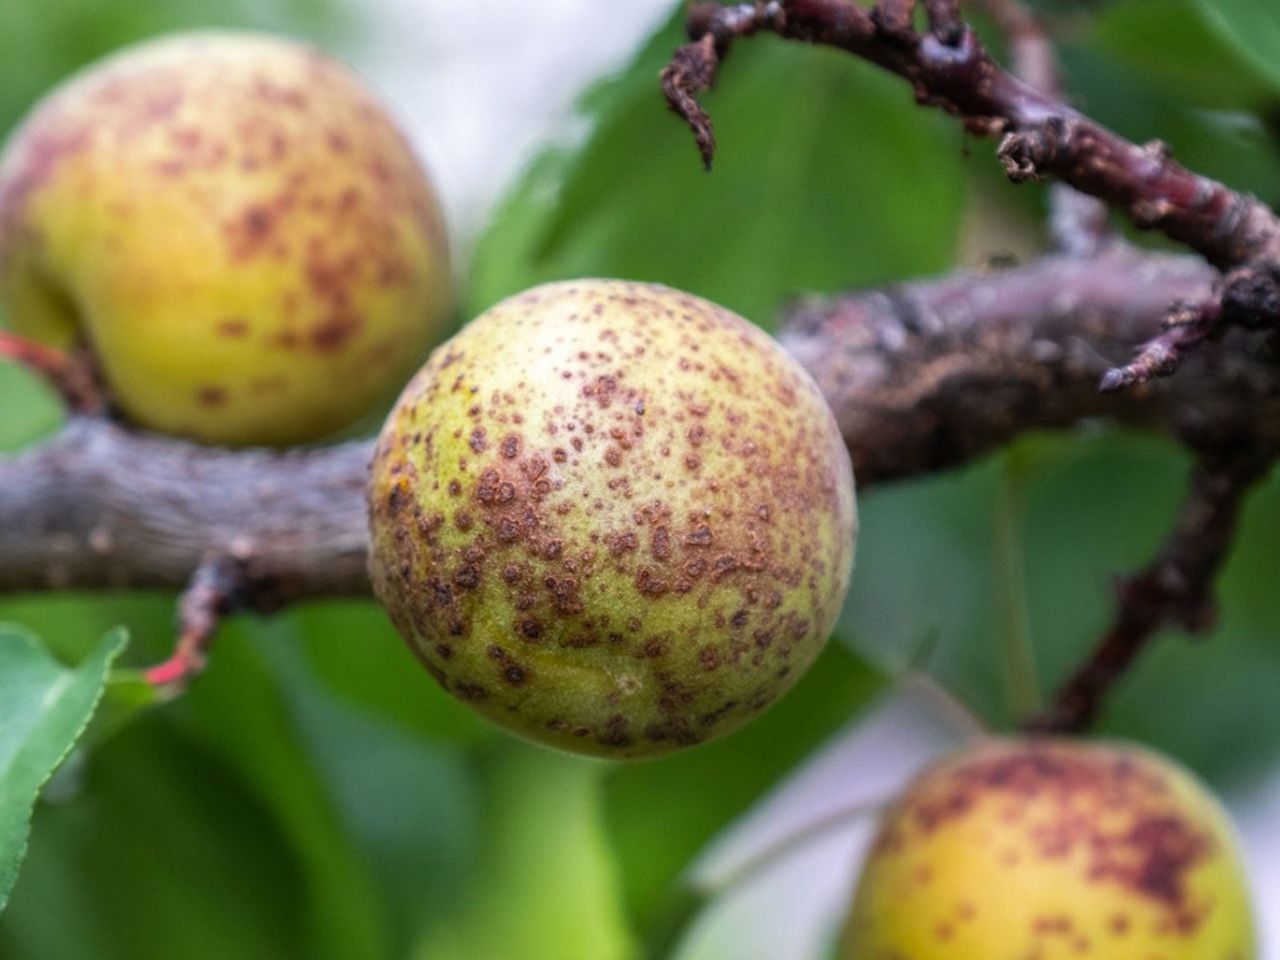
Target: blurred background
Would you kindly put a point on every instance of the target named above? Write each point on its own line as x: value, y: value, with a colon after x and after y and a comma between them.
x: 315, y: 795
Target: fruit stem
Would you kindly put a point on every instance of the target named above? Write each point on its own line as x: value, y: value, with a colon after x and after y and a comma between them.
x: 70, y: 374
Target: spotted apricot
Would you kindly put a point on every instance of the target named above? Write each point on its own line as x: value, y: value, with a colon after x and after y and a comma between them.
x: 613, y: 517
x: 1053, y: 849
x: 238, y: 230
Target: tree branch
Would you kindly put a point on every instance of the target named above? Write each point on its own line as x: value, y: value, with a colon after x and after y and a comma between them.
x: 1176, y: 588
x: 930, y: 375
x: 101, y: 507
x: 1039, y: 136
x: 921, y: 376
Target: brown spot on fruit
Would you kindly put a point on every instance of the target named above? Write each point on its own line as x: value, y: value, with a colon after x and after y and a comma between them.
x: 334, y: 333
x: 511, y: 670
x: 210, y: 396
x: 233, y: 327
x: 661, y: 544
x: 700, y: 536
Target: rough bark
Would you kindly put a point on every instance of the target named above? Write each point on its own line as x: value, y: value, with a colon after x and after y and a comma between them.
x: 921, y: 376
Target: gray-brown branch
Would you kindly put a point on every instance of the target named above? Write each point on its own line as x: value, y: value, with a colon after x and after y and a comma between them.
x: 101, y: 507
x: 921, y: 376
x: 930, y: 375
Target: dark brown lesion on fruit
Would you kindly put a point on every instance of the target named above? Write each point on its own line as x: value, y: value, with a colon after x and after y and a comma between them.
x: 616, y: 733
x: 233, y: 328
x: 334, y: 332
x: 511, y: 670
x: 211, y: 396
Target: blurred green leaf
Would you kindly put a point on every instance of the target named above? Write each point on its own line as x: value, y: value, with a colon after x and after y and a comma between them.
x: 825, y: 177
x: 30, y: 409
x: 163, y: 853
x: 1208, y: 700
x: 1252, y: 27
x: 409, y: 801
x: 1190, y: 47
x: 546, y: 884
x: 44, y: 707
x: 1096, y: 507
x: 211, y: 813
x: 42, y: 43
x: 379, y: 673
x: 239, y: 710
x: 930, y: 564
x: 662, y: 812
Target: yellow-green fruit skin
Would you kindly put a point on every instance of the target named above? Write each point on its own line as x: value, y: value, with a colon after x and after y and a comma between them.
x: 237, y: 229
x: 613, y: 517
x: 1053, y: 849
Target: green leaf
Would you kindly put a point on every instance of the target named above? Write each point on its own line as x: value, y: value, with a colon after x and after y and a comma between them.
x: 1194, y: 47
x: 44, y: 707
x: 661, y: 813
x: 1252, y: 28
x: 30, y: 408
x: 1206, y: 700
x: 826, y: 177
x: 409, y: 801
x: 545, y: 886
x: 212, y: 814
x: 381, y: 674
x: 41, y: 43
x: 239, y: 711
x: 165, y: 852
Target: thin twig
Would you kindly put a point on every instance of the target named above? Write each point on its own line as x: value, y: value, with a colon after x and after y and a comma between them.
x: 1176, y: 588
x: 217, y: 588
x: 1187, y: 325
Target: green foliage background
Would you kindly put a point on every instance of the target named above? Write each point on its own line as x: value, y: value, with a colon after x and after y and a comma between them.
x: 316, y: 796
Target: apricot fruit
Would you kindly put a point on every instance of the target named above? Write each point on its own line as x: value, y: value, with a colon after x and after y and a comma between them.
x: 613, y: 517
x: 1052, y: 849
x: 235, y: 227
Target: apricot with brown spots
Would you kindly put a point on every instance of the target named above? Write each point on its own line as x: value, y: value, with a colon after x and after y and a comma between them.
x: 236, y: 228
x: 637, y: 608
x: 1053, y: 849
